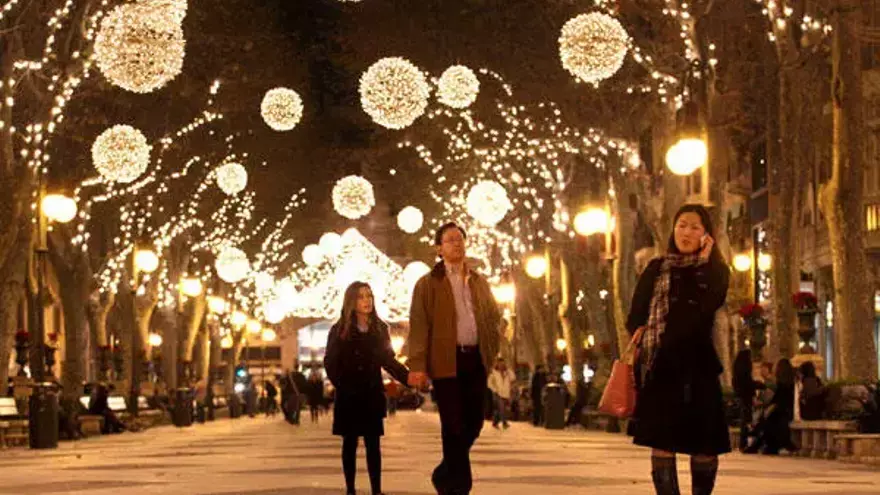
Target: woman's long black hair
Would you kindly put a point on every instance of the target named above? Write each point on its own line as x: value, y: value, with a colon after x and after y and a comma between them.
x: 715, y: 257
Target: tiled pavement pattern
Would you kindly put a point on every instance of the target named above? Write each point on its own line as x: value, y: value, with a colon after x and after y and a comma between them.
x: 270, y: 457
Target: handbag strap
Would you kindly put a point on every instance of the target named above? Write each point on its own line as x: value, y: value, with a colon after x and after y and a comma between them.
x: 629, y: 354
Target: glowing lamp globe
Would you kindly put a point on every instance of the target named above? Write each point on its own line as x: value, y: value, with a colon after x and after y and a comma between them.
x: 226, y: 342
x: 536, y: 266
x: 331, y: 244
x: 275, y: 311
x: 282, y: 109
x: 155, y: 339
x: 504, y: 293
x: 410, y: 219
x: 232, y: 265
x: 145, y: 260
x: 742, y: 262
x: 394, y: 92
x: 765, y: 262
x: 268, y: 335
x: 217, y: 305
x: 397, y: 343
x: 458, y: 87
x: 121, y: 154
x: 353, y: 197
x: 592, y: 47
x: 253, y: 327
x: 312, y: 255
x: 231, y: 178
x: 686, y: 156
x: 238, y: 319
x: 58, y: 208
x: 191, y: 287
x: 592, y: 221
x: 415, y: 271
x: 561, y: 344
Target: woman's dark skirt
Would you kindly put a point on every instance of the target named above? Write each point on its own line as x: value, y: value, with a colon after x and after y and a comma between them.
x: 359, y: 414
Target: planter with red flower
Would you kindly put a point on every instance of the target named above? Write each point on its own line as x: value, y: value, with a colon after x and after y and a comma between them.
x: 807, y: 307
x: 754, y: 320
x: 22, y: 344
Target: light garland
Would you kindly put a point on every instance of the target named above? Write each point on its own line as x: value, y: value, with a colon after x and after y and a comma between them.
x: 592, y: 46
x: 121, y: 154
x: 231, y: 178
x: 232, y: 265
x: 394, y: 92
x: 458, y: 87
x: 140, y: 46
x: 353, y: 197
x: 488, y: 203
x: 410, y: 219
x: 282, y: 109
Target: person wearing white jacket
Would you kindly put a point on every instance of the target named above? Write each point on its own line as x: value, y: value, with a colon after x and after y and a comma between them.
x: 501, y: 384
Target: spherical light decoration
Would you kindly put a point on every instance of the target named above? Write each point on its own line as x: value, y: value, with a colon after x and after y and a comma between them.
x: 275, y: 311
x: 458, y: 87
x: 121, y: 154
x: 231, y: 178
x: 415, y: 271
x: 686, y: 156
x: 331, y: 244
x: 282, y: 109
x: 536, y: 266
x: 232, y: 265
x: 394, y: 92
x: 139, y: 46
x: 353, y: 197
x: 592, y: 47
x: 410, y: 219
x: 58, y: 208
x: 488, y: 203
x: 312, y: 255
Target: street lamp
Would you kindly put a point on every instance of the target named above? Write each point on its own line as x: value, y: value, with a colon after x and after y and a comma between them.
x: 43, y: 411
x: 397, y: 344
x: 253, y: 327
x: 268, y: 335
x: 561, y: 345
x: 686, y: 156
x: 504, y: 293
x: 592, y: 221
x: 155, y: 339
x: 742, y: 262
x: 765, y: 262
x: 238, y: 319
x: 226, y: 342
x: 146, y: 261
x: 536, y: 266
x: 217, y: 305
x: 191, y: 287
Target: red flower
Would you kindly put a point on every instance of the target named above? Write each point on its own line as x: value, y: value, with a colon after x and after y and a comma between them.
x: 53, y: 337
x: 104, y: 347
x: 805, y: 301
x: 22, y: 336
x: 751, y: 311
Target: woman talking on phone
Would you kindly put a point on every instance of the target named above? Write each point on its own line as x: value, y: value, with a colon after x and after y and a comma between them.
x: 679, y: 409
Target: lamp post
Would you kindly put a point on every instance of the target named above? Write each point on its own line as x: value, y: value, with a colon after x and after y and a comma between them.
x: 43, y: 403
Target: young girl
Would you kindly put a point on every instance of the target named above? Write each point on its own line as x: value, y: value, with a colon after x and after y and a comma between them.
x: 358, y: 347
x: 680, y: 409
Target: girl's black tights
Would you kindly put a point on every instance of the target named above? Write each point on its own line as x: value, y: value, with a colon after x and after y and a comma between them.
x: 374, y: 462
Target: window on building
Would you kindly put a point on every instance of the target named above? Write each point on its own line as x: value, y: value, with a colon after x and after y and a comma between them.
x: 759, y: 166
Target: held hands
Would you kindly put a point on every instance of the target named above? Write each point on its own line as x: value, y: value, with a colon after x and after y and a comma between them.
x: 418, y: 380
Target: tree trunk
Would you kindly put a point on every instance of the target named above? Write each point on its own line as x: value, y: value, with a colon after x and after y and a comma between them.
x: 234, y: 355
x: 536, y: 330
x: 569, y: 332
x: 74, y: 282
x: 204, y: 347
x: 194, y: 319
x: 99, y: 307
x: 842, y: 202
x: 12, y: 283
x: 624, y: 273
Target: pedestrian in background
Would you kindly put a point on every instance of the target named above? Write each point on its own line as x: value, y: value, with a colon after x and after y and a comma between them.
x: 680, y: 408
x: 358, y: 348
x: 539, y: 380
x: 315, y: 394
x: 500, y: 383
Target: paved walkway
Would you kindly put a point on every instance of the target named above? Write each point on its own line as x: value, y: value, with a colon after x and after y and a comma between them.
x: 270, y: 457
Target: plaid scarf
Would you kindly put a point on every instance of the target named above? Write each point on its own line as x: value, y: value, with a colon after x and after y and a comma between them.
x: 650, y: 343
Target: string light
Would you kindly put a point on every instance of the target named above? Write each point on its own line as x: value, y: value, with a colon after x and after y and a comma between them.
x: 410, y: 219
x: 121, y: 154
x: 231, y: 178
x: 488, y: 203
x: 140, y: 46
x: 353, y: 197
x: 592, y: 46
x: 394, y: 92
x: 282, y: 109
x: 458, y: 87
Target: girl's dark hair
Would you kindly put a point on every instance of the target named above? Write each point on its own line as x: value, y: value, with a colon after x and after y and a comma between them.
x: 438, y: 236
x: 808, y: 370
x: 348, y: 318
x: 742, y: 369
x: 784, y: 372
x: 706, y: 220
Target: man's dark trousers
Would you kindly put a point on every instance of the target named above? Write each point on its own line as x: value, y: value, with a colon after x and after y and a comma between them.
x: 460, y: 401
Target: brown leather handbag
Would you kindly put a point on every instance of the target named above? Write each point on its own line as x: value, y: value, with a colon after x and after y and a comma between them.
x: 619, y: 397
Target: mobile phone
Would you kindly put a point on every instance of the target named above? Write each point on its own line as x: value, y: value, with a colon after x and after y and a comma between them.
x: 703, y: 240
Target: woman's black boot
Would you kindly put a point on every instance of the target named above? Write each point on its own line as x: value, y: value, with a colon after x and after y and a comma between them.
x: 703, y: 475
x: 665, y: 475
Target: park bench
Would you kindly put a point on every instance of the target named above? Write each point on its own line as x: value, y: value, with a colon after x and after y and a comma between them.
x: 148, y: 416
x: 89, y: 424
x: 818, y: 438
x: 595, y: 420
x: 13, y: 425
x: 859, y: 447
x: 221, y: 406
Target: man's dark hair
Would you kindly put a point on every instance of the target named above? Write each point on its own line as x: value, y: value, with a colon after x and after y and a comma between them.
x: 438, y: 237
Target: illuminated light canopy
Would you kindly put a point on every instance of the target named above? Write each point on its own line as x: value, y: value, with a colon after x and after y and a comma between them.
x: 686, y: 156
x: 592, y: 221
x: 232, y: 265
x: 140, y: 46
x: 312, y: 255
x: 458, y: 87
x: 592, y: 46
x: 415, y: 271
x: 121, y: 154
x: 145, y: 260
x: 58, y: 208
x: 487, y: 202
x: 394, y: 92
x: 353, y: 197
x: 410, y: 219
x: 231, y: 178
x: 282, y: 109
x: 330, y: 244
x: 536, y: 266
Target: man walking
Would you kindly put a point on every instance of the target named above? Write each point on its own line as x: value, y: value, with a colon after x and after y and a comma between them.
x: 539, y: 380
x: 453, y: 340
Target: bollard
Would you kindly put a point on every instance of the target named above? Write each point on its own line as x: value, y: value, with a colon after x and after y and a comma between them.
x: 554, y: 407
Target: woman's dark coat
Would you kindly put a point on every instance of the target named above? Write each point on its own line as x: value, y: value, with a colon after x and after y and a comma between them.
x: 679, y: 406
x: 354, y: 367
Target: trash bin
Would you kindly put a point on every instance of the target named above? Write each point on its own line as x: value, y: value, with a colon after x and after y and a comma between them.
x: 183, y: 408
x: 43, y: 416
x: 554, y: 407
x: 234, y: 404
